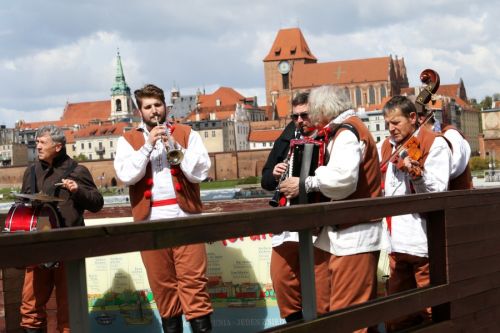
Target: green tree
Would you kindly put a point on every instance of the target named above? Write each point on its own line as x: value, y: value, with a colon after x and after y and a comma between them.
x: 81, y: 158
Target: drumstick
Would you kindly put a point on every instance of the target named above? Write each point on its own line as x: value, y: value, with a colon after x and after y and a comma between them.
x: 58, y: 184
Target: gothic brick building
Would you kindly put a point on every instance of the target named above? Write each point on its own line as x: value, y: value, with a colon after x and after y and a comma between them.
x: 291, y: 66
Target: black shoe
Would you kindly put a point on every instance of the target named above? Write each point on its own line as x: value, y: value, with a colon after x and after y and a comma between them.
x: 172, y: 325
x: 294, y: 316
x: 201, y: 324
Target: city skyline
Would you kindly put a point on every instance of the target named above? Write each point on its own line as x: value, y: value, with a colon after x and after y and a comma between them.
x: 59, y: 52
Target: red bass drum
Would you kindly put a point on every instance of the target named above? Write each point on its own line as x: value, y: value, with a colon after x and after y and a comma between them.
x: 22, y: 217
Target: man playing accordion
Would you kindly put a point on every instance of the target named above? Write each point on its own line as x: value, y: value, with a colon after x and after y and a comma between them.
x: 285, y: 269
x: 352, y: 171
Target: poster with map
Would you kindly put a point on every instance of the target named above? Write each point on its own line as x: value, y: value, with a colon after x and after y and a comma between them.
x: 240, y: 288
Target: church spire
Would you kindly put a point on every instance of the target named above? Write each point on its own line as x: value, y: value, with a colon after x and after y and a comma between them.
x: 120, y: 87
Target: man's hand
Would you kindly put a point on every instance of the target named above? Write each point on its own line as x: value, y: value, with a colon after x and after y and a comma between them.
x: 70, y: 185
x: 279, y: 169
x: 290, y: 187
x: 156, y: 133
x: 412, y: 167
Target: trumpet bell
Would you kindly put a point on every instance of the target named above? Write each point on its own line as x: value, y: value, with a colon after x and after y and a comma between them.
x: 175, y: 156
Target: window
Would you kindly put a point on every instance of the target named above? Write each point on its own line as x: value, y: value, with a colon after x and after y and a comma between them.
x: 90, y: 145
x: 263, y: 144
x: 286, y: 83
x: 378, y: 127
x: 111, y: 143
x: 213, y: 134
x: 378, y: 138
x: 112, y: 155
x: 100, y: 145
x: 206, y: 134
x: 118, y: 105
x: 90, y: 156
x: 82, y: 145
x: 347, y: 93
x: 383, y: 93
x: 358, y: 96
x: 371, y: 93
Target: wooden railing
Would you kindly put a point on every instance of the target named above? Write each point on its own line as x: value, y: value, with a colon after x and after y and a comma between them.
x: 464, y: 250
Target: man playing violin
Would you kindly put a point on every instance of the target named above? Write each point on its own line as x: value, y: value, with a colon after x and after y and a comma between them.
x: 423, y: 167
x: 285, y: 269
x: 351, y: 172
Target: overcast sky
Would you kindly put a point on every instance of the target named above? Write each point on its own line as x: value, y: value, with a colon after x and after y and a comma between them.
x: 58, y: 51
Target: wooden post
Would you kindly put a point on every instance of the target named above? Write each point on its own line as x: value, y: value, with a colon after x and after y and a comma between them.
x: 77, y: 296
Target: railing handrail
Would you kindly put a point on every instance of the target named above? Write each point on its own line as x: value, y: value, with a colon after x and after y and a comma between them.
x: 83, y: 242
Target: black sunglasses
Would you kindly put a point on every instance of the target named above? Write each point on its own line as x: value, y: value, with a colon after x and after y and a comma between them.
x: 303, y: 115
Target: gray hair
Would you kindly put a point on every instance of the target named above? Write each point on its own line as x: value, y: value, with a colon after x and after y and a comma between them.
x: 55, y: 133
x: 327, y: 102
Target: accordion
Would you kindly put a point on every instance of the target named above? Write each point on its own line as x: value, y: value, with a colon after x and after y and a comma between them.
x: 306, y: 155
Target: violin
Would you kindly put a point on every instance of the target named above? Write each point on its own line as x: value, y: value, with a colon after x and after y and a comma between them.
x: 411, y: 149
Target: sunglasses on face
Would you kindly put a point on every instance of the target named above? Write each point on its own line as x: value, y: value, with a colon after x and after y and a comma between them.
x: 303, y: 115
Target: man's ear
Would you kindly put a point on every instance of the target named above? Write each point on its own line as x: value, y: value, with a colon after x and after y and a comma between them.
x: 59, y: 147
x: 413, y: 118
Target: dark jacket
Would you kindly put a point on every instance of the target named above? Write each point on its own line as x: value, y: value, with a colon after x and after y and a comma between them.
x: 278, y: 154
x: 71, y: 209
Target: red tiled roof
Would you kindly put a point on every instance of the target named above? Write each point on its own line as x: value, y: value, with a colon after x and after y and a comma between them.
x: 38, y: 124
x: 102, y: 130
x: 340, y: 72
x: 82, y: 113
x: 451, y: 90
x: 227, y: 96
x: 70, y: 137
x: 221, y: 113
x: 289, y: 44
x: 264, y: 135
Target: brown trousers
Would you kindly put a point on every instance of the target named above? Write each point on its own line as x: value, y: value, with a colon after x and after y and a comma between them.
x: 408, y: 272
x: 285, y: 274
x: 178, y: 281
x: 38, y: 286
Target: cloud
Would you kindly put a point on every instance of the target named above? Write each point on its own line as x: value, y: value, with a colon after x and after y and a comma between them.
x: 59, y: 51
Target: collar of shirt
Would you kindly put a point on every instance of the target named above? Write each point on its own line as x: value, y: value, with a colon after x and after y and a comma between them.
x: 343, y: 116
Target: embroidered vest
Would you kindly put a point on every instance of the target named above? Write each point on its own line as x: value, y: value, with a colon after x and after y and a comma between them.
x: 187, y: 193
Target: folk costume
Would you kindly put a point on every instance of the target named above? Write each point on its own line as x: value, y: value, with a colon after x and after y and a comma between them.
x: 159, y: 190
x: 352, y: 172
x: 408, y: 258
x: 285, y: 268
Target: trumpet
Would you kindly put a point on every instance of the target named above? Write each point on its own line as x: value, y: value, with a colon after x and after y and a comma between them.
x: 174, y: 155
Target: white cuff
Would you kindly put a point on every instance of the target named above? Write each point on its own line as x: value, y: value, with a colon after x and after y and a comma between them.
x: 146, y: 149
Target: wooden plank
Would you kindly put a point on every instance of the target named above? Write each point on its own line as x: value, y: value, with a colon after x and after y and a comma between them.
x: 472, y: 232
x: 483, y: 213
x: 486, y: 320
x: 370, y: 313
x: 473, y: 286
x: 473, y: 268
x: 475, y: 303
x: 473, y: 250
x: 442, y: 327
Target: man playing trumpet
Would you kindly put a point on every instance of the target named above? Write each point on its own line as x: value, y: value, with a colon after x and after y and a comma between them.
x: 160, y: 188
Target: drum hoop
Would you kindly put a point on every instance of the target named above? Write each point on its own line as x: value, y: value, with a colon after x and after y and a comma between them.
x: 12, y: 216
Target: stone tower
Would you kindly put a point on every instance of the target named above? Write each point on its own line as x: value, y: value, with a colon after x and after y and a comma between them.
x: 122, y: 106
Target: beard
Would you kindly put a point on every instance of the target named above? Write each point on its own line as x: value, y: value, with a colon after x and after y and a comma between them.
x: 151, y: 122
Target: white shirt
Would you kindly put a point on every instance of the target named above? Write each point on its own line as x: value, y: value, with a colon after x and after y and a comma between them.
x: 409, y: 232
x: 461, y: 152
x: 130, y: 166
x: 337, y: 180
